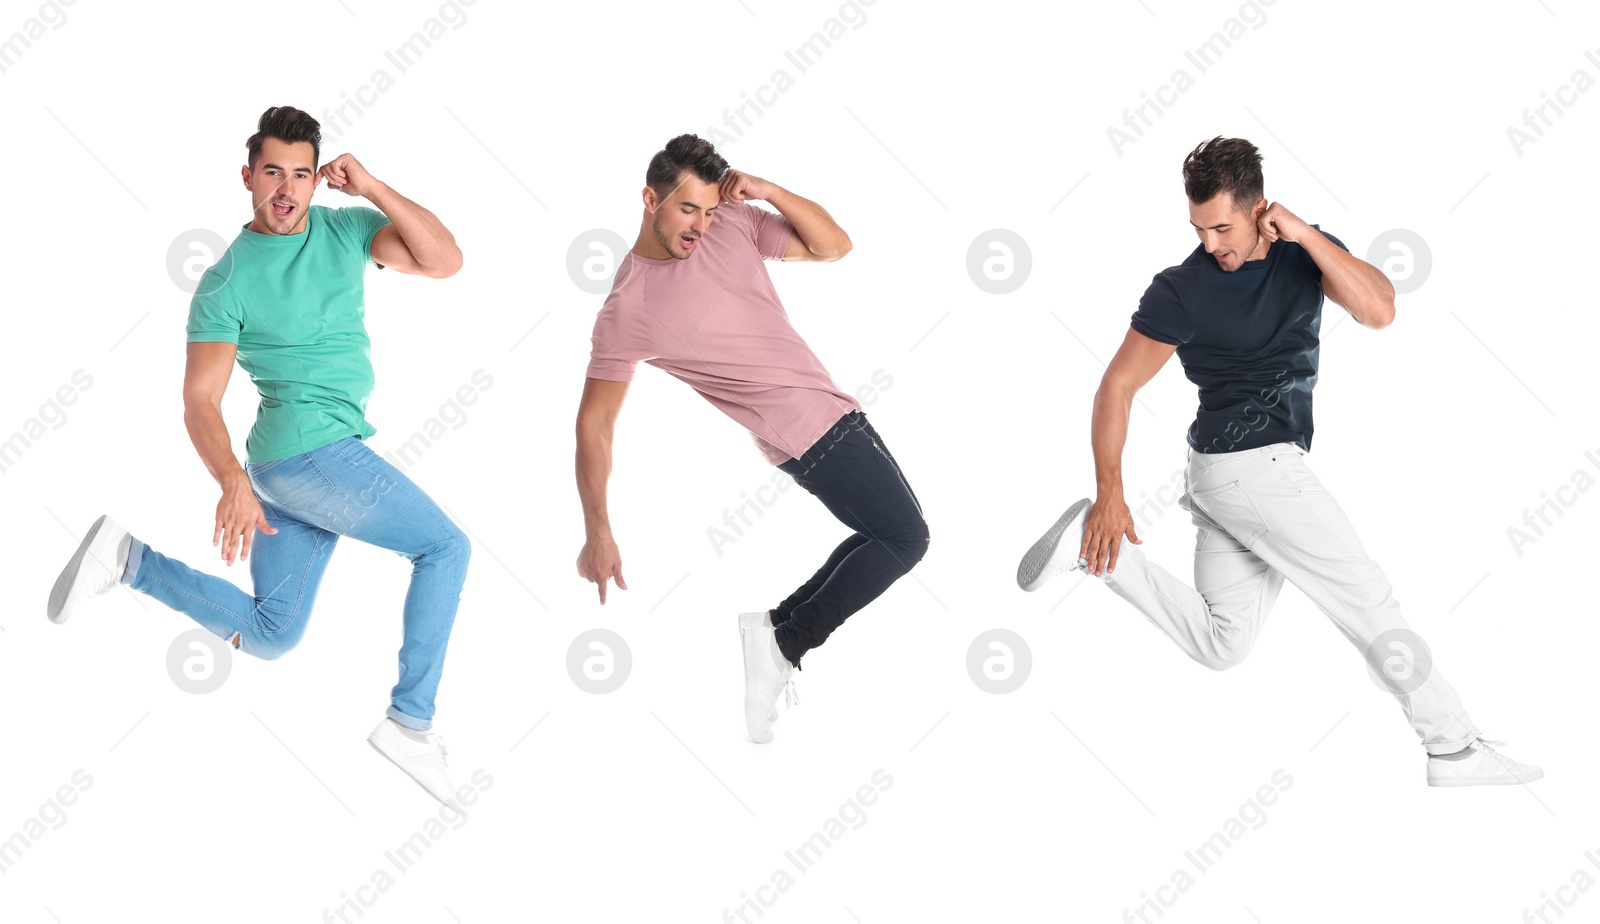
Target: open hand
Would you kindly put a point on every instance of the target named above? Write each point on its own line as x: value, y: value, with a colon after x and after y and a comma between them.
x: 1108, y: 521
x: 239, y: 515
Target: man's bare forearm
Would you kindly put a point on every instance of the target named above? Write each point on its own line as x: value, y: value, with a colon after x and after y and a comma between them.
x: 1108, y: 435
x: 594, y: 470
x: 821, y: 234
x: 430, y: 242
x: 209, y: 433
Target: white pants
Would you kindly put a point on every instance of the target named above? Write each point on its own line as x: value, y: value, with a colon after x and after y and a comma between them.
x: 1263, y: 516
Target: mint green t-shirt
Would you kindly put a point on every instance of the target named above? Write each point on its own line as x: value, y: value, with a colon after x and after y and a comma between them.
x: 293, y: 303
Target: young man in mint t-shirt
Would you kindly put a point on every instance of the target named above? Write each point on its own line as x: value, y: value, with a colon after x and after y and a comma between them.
x: 285, y: 300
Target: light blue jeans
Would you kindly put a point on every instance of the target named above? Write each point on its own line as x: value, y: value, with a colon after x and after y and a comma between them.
x: 342, y: 489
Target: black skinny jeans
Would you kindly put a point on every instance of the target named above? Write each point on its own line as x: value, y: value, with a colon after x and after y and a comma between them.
x: 851, y: 471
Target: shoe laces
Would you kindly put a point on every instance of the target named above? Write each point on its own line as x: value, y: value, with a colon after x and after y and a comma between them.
x: 1487, y: 745
x: 1071, y: 563
x: 791, y: 697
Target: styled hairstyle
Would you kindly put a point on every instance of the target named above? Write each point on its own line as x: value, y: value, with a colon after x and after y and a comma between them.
x: 684, y: 152
x: 1230, y: 165
x: 288, y: 124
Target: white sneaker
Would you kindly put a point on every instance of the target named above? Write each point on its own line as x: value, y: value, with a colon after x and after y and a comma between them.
x: 755, y: 621
x: 94, y: 568
x: 767, y: 673
x: 1482, y: 765
x: 1056, y: 552
x: 423, y: 761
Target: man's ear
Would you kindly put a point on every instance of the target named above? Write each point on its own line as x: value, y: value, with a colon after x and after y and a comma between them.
x: 651, y: 203
x: 244, y: 172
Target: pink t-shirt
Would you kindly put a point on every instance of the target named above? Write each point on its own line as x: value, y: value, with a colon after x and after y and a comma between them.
x: 715, y: 322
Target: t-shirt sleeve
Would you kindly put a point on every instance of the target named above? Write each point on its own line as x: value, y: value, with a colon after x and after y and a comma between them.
x: 215, y: 314
x: 1311, y: 265
x: 1332, y: 238
x: 361, y: 223
x: 769, y: 230
x: 772, y: 233
x: 616, y: 345
x: 1161, y: 315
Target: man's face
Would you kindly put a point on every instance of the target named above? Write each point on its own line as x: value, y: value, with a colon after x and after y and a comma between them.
x: 1230, y: 235
x: 281, y: 185
x: 683, y: 214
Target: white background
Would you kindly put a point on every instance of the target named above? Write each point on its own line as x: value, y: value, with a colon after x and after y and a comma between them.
x: 923, y: 126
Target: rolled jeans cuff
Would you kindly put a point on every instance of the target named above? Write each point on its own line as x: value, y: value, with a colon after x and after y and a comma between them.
x: 416, y: 724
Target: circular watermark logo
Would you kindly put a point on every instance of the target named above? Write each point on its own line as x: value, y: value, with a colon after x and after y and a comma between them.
x: 999, y: 661
x: 1399, y: 661
x: 599, y: 661
x: 1403, y: 256
x: 592, y: 259
x: 198, y: 661
x: 999, y: 261
x: 191, y: 254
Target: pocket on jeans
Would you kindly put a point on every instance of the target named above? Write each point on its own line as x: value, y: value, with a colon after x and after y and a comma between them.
x: 255, y: 468
x: 300, y: 490
x: 1299, y: 475
x: 1229, y: 506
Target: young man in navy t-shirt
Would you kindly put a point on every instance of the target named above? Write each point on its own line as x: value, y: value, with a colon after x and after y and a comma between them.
x: 1242, y: 312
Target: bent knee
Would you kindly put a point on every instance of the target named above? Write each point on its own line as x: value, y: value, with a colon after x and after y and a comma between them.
x: 915, y: 545
x: 455, y: 546
x: 267, y: 647
x: 1224, y: 657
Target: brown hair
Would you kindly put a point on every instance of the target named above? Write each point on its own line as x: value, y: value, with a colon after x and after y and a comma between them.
x: 684, y: 152
x: 1230, y: 165
x: 289, y: 124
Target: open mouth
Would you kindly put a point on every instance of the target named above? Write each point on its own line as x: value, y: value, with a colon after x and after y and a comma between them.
x: 688, y: 241
x: 282, y: 209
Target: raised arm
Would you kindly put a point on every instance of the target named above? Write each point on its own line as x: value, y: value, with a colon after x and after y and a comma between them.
x: 817, y: 238
x: 239, y: 514
x: 600, y: 559
x: 1136, y: 363
x: 416, y: 242
x: 1347, y: 280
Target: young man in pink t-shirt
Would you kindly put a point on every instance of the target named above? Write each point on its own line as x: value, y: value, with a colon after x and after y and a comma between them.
x: 693, y: 299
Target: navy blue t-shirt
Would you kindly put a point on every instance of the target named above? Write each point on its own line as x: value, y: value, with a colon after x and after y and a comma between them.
x: 1249, y: 340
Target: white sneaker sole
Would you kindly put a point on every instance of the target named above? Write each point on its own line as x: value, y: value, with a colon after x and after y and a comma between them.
x: 1038, y: 565
x: 1490, y: 781
x: 744, y: 653
x: 756, y: 620
x: 63, y: 591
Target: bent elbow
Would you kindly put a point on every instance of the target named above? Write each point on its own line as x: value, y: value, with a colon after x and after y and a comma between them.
x: 1381, y: 315
x: 196, y: 401
x: 1115, y: 391
x: 447, y: 267
x: 837, y: 251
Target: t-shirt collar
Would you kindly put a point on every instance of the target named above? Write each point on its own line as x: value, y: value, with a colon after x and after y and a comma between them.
x: 311, y: 216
